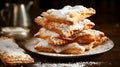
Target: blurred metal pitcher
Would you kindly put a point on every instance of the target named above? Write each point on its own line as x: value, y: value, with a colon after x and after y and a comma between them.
x: 16, y: 15
x: 17, y: 20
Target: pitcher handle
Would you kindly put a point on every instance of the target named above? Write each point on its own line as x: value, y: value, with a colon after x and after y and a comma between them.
x: 6, y: 19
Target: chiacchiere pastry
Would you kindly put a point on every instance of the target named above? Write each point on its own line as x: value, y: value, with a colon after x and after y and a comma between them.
x: 63, y: 29
x: 52, y: 37
x: 95, y: 43
x: 70, y: 48
x: 84, y: 37
x: 68, y: 14
x: 12, y: 54
x: 90, y: 38
x: 43, y: 46
x: 67, y: 31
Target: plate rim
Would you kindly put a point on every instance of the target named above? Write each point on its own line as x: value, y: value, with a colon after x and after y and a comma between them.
x: 111, y: 44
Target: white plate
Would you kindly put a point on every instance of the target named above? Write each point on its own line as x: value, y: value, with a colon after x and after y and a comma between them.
x: 96, y: 50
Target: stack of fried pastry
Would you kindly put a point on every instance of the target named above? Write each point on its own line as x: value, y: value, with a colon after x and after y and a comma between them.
x: 67, y: 31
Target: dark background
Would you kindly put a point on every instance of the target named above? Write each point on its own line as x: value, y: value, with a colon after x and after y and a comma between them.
x: 108, y: 10
x: 107, y: 19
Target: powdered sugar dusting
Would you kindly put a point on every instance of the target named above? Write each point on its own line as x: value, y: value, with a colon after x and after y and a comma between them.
x: 65, y: 29
x: 95, y: 33
x: 9, y: 48
x: 58, y: 49
x: 44, y: 32
x: 61, y: 48
x: 42, y: 43
x: 65, y: 11
x: 76, y: 64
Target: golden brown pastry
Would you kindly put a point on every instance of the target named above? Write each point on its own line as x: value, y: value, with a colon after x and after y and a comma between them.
x: 12, y: 54
x: 69, y: 14
x: 100, y: 41
x: 43, y: 46
x: 95, y: 43
x: 71, y: 48
x: 63, y: 29
x: 88, y: 36
x: 52, y: 37
x: 91, y: 38
x: 88, y: 46
x: 67, y: 31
